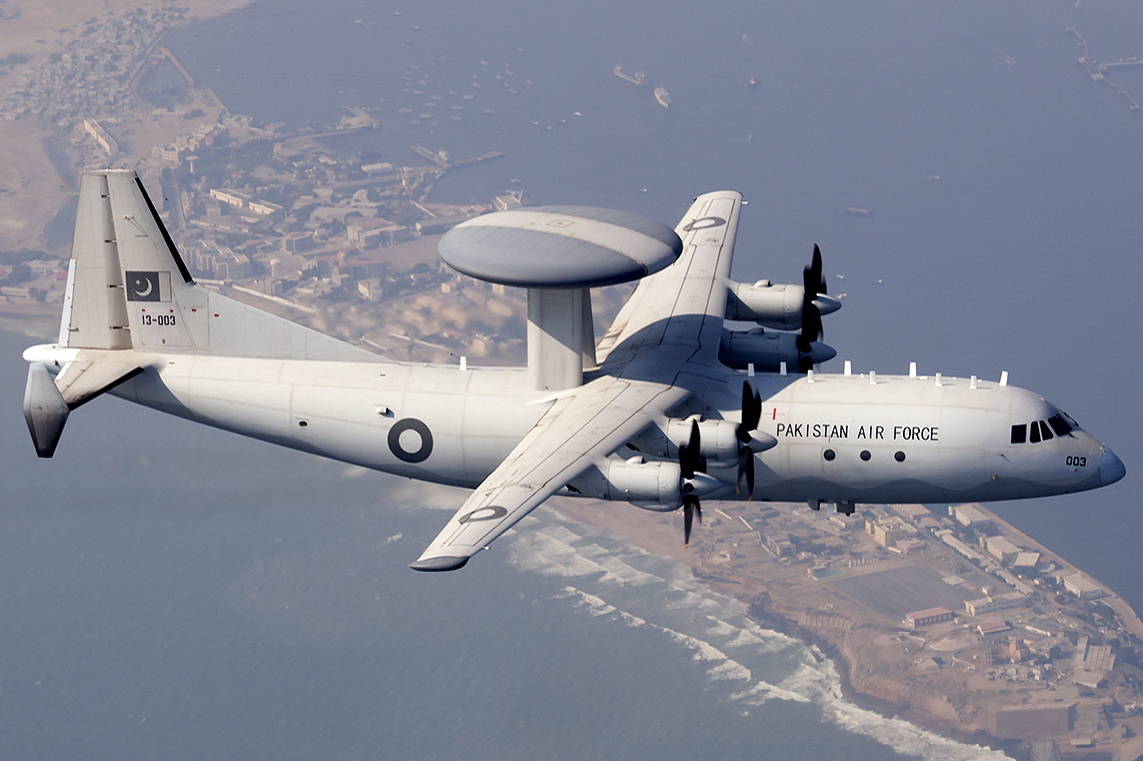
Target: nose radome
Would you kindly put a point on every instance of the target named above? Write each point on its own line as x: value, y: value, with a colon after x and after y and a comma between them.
x: 1111, y: 468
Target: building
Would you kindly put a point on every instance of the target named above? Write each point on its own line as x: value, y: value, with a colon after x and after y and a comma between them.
x: 370, y: 289
x: 911, y: 513
x: 1030, y: 722
x: 438, y: 225
x: 885, y: 533
x: 1001, y: 548
x: 780, y: 544
x: 986, y: 605
x: 993, y: 630
x: 947, y: 537
x: 1026, y: 560
x: 231, y: 197
x: 299, y: 242
x: 101, y: 136
x: 172, y: 154
x: 921, y: 618
x: 512, y: 200
x: 1082, y: 587
x: 906, y: 546
x: 972, y: 516
x: 264, y: 208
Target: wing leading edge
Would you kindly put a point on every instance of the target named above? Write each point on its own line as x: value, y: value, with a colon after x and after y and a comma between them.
x: 580, y: 429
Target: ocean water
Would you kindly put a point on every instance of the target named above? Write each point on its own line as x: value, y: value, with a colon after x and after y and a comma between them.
x: 171, y: 591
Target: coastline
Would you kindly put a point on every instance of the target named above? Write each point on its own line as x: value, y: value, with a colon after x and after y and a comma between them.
x: 779, y: 604
x: 32, y: 189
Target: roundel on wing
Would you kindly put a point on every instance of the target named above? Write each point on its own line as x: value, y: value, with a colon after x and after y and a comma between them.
x: 486, y: 513
x: 704, y: 223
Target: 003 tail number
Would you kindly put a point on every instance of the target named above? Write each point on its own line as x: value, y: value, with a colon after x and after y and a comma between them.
x: 164, y: 320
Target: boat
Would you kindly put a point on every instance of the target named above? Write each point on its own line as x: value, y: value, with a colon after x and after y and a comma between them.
x: 662, y: 96
x: 638, y: 78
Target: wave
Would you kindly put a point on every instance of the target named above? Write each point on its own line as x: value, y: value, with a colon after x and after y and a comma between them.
x: 615, y: 581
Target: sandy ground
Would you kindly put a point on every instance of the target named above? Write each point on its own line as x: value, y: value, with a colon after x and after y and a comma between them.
x: 31, y: 190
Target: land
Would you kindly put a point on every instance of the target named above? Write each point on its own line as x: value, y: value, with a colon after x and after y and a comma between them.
x: 951, y: 618
x: 333, y: 238
x: 947, y: 616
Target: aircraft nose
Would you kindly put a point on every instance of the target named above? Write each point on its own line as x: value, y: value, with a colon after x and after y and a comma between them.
x: 1111, y: 468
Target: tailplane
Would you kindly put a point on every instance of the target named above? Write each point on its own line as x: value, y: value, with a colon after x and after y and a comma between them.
x: 129, y: 297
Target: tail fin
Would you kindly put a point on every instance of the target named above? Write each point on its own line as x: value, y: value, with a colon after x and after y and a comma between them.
x: 129, y: 294
x: 130, y: 289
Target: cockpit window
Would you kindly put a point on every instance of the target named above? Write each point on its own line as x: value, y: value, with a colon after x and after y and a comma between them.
x: 1059, y: 425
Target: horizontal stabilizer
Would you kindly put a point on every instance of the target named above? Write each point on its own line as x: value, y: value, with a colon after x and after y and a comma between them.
x: 81, y: 381
x: 44, y: 409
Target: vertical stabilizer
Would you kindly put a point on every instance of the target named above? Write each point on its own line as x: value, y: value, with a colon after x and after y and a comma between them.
x: 96, y: 317
x: 130, y: 289
x: 164, y: 309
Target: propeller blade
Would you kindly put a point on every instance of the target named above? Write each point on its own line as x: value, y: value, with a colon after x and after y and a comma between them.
x: 692, y: 512
x: 690, y: 459
x: 745, y: 471
x: 751, y: 413
x: 814, y: 277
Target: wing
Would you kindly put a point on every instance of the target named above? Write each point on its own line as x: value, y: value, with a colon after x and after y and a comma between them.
x: 673, y: 317
x: 683, y: 305
x: 583, y: 427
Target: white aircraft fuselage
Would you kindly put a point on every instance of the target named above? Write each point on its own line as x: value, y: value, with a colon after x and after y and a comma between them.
x: 455, y: 426
x: 665, y: 409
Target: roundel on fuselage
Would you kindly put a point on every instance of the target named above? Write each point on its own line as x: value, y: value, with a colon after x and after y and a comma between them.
x: 400, y: 450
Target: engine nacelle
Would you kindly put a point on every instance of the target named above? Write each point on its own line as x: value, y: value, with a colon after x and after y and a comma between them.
x: 717, y: 439
x: 651, y: 485
x: 767, y: 351
x: 777, y: 306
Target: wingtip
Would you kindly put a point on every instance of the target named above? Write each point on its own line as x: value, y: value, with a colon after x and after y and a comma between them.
x: 439, y: 564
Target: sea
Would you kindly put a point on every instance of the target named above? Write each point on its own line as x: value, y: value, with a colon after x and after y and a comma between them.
x: 168, y: 590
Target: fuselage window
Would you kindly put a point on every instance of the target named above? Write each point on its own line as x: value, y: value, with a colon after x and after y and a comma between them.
x: 1045, y: 431
x: 1034, y: 431
x: 1019, y: 433
x: 1059, y: 425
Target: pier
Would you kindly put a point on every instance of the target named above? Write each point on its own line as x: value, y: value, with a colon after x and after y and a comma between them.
x: 1098, y: 71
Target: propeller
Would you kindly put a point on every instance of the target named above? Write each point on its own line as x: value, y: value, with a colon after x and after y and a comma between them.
x: 691, y: 461
x: 815, y: 270
x: 751, y: 414
x: 813, y: 282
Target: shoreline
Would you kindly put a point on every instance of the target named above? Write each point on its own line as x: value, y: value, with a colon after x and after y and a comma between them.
x: 881, y: 706
x: 776, y: 602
